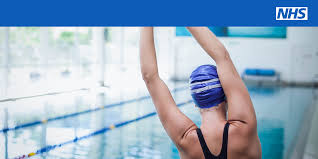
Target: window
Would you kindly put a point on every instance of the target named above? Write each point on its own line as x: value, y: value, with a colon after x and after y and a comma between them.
x: 259, y: 32
x: 256, y: 32
x: 24, y: 44
x: 1, y: 47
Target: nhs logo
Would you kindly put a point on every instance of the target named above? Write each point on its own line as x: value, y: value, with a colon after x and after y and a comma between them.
x: 291, y: 13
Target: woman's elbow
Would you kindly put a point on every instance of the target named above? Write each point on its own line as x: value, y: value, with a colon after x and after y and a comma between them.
x: 149, y: 76
x: 221, y: 54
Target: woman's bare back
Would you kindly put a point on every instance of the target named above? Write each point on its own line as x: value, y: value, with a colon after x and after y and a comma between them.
x: 239, y: 147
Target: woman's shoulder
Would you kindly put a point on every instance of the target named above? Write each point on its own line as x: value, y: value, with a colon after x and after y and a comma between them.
x: 243, y: 140
x: 190, y: 146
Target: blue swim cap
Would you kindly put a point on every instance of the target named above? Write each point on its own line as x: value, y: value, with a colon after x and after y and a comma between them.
x: 206, y: 89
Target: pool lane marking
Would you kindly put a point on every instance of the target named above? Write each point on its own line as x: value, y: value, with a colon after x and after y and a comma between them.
x: 41, y: 95
x: 100, y: 131
x: 4, y: 130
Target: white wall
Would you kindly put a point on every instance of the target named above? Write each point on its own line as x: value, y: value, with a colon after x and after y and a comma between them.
x: 295, y: 57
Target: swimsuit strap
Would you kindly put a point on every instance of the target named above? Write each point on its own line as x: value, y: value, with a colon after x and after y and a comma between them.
x: 223, y: 153
x: 205, y: 149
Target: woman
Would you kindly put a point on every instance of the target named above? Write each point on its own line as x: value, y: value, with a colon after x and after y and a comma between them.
x: 221, y: 136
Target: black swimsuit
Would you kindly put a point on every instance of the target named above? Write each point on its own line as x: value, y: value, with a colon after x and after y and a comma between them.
x: 205, y: 149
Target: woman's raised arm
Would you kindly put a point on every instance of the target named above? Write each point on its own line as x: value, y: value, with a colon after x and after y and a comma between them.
x: 240, y: 107
x: 174, y: 121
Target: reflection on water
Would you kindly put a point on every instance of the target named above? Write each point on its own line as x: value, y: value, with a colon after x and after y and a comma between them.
x: 271, y: 134
x: 280, y: 112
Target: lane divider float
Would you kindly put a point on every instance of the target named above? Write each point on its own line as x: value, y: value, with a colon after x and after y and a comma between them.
x: 100, y: 131
x: 44, y: 121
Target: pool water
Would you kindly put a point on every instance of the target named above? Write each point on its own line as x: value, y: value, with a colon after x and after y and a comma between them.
x: 280, y: 112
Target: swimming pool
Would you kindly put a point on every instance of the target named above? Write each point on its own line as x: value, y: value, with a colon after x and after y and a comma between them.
x: 281, y: 113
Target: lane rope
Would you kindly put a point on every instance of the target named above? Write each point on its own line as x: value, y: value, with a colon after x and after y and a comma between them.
x: 100, y: 131
x: 41, y: 95
x: 44, y: 121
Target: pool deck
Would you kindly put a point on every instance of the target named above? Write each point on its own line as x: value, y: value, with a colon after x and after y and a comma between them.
x: 306, y: 142
x: 310, y: 151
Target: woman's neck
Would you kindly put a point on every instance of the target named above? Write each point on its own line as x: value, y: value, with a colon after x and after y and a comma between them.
x: 214, y: 115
